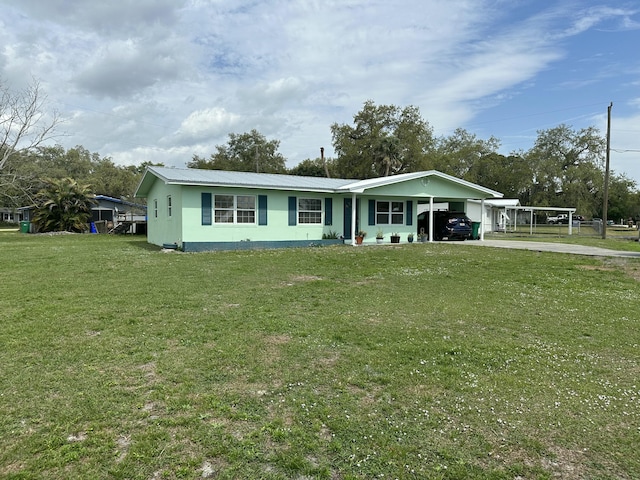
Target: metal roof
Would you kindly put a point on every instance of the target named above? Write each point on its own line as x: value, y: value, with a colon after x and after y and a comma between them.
x: 499, y: 202
x: 222, y: 178
x: 107, y: 198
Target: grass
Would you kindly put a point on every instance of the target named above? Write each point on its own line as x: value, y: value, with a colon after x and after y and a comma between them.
x: 417, y: 361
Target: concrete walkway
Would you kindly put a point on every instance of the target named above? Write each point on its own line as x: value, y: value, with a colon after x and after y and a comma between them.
x: 550, y: 247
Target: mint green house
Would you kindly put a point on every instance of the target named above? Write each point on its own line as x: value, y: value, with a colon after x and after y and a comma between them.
x: 197, y: 210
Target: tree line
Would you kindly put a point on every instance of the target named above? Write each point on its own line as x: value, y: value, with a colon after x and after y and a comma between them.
x: 564, y: 167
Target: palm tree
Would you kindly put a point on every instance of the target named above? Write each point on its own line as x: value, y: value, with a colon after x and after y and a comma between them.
x: 63, y: 205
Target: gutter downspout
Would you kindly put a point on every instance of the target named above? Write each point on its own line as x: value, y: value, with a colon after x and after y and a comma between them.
x: 353, y: 219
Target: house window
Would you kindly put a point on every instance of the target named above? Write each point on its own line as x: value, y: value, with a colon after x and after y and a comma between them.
x: 168, y: 205
x: 224, y: 209
x: 310, y: 211
x: 235, y: 209
x: 155, y: 208
x: 389, y: 213
x: 245, y: 209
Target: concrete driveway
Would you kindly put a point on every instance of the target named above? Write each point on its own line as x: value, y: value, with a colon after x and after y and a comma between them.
x: 550, y: 247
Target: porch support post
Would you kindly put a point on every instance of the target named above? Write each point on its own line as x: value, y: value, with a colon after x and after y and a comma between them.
x: 570, y: 222
x: 430, y: 219
x: 482, y: 219
x: 531, y: 223
x: 353, y: 219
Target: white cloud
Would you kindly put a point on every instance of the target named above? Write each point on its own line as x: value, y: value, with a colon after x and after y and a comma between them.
x: 205, y: 125
x: 124, y: 67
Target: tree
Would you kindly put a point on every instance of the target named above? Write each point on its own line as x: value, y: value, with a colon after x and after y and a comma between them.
x: 385, y: 140
x: 23, y: 127
x: 623, y: 199
x: 508, y: 175
x: 63, y: 205
x: 314, y: 168
x: 458, y: 153
x: 568, y: 167
x: 78, y: 163
x: 112, y: 180
x: 246, y: 152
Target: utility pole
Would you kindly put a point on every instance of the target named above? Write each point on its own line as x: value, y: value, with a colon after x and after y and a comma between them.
x: 605, y: 200
x: 324, y: 163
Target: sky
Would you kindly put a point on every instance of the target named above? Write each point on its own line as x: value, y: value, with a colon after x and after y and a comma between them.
x: 164, y: 80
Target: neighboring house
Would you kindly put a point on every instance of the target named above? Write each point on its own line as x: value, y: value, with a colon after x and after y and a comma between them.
x: 10, y: 215
x: 114, y: 215
x: 109, y: 215
x: 198, y: 210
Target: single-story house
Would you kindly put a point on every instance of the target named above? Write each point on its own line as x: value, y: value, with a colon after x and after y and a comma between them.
x: 197, y: 210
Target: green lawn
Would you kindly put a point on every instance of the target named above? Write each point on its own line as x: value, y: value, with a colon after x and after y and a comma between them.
x: 418, y: 361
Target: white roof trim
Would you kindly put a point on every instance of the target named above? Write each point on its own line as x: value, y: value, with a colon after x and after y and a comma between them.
x: 360, y: 186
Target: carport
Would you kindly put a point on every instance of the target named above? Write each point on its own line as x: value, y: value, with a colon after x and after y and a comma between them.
x: 456, y: 193
x: 428, y: 187
x: 533, y: 210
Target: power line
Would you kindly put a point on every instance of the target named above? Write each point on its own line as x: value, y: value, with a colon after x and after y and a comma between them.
x: 539, y: 113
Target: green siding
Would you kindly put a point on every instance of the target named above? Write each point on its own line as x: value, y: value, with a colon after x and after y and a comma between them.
x: 276, y: 212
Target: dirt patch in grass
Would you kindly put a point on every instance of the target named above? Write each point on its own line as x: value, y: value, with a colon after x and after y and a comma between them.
x: 328, y: 360
x: 122, y: 444
x: 12, y: 468
x: 567, y: 464
x: 296, y: 279
x: 629, y: 268
x: 272, y: 347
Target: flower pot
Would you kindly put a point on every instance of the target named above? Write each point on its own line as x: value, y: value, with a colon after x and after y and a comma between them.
x: 379, y: 240
x: 395, y: 239
x: 359, y: 240
x: 410, y: 239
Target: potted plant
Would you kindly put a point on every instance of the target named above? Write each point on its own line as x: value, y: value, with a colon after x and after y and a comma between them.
x: 410, y: 238
x: 395, y: 237
x: 360, y: 237
x: 379, y: 236
x: 422, y: 236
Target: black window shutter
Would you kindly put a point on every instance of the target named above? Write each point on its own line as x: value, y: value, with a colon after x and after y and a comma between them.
x: 206, y: 208
x: 293, y: 211
x: 328, y: 211
x: 372, y: 212
x: 409, y: 212
x: 262, y: 209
